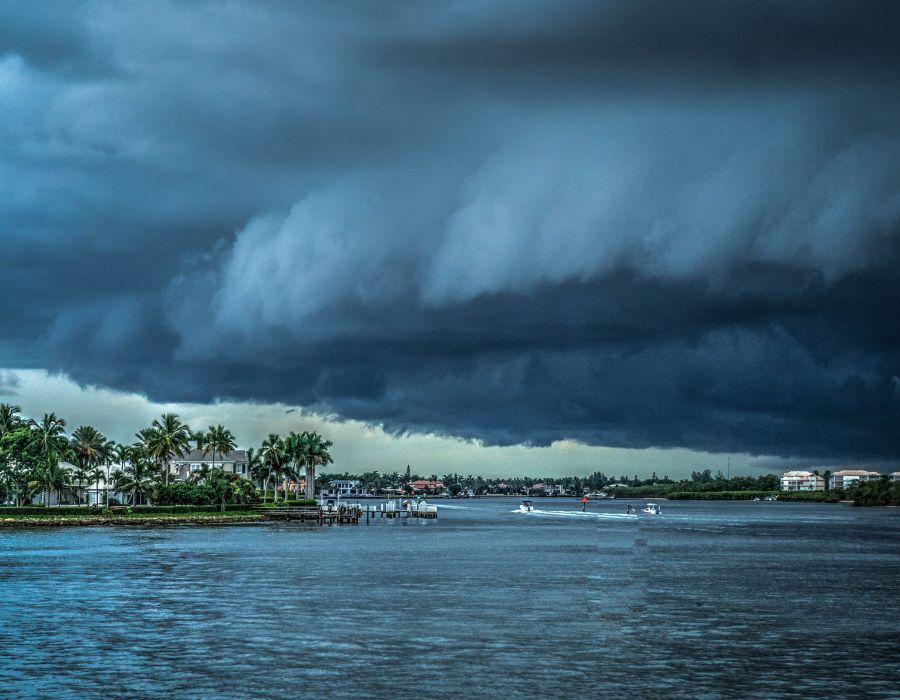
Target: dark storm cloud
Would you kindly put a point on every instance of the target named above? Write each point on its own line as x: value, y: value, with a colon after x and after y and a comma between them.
x: 634, y: 224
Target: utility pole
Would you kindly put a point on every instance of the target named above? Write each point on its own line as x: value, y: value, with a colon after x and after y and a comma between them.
x: 729, y: 469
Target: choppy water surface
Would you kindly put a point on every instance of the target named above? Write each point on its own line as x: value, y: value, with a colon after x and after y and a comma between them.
x: 706, y: 600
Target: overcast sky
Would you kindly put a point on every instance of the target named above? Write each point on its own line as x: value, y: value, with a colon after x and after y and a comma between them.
x: 650, y: 234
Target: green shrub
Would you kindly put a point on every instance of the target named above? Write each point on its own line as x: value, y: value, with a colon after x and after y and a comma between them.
x: 151, y: 510
x: 231, y: 507
x: 281, y: 504
x: 876, y: 493
x: 814, y: 496
x: 9, y: 511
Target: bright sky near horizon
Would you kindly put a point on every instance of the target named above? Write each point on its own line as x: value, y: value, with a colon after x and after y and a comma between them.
x: 358, y: 447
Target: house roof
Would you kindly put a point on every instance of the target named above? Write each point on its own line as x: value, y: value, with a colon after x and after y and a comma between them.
x: 424, y: 484
x: 801, y: 474
x: 200, y: 456
x: 854, y: 472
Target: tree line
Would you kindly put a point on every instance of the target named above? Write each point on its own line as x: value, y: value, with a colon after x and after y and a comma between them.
x: 376, y: 481
x: 32, y: 453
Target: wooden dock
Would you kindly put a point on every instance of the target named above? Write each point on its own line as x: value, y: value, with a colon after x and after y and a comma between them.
x: 393, y: 511
x: 349, y: 514
x: 313, y: 514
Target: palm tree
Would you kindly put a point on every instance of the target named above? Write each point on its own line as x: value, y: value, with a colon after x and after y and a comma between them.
x: 318, y: 455
x: 79, y: 476
x: 218, y: 439
x: 96, y: 474
x: 121, y: 453
x: 256, y: 469
x: 294, y: 449
x: 166, y: 439
x: 51, y: 442
x: 134, y: 477
x: 9, y: 418
x: 311, y: 450
x: 91, y: 449
x: 273, y: 457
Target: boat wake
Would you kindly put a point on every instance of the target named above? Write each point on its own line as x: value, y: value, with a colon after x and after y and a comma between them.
x: 576, y: 514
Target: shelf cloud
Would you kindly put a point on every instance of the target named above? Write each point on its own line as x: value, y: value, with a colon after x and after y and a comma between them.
x: 517, y: 222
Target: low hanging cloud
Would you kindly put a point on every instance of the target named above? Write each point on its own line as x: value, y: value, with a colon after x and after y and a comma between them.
x: 518, y: 223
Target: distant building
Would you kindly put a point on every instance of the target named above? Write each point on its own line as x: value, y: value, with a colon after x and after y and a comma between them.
x: 426, y: 486
x: 234, y: 461
x: 344, y: 488
x: 847, y: 477
x: 802, y: 481
x: 545, y: 490
x: 894, y: 476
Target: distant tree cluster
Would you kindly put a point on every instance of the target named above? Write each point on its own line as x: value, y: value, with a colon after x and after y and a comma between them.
x: 33, y: 455
x: 455, y: 484
x: 875, y: 493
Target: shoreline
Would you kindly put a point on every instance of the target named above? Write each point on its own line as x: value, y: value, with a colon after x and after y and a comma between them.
x: 92, y: 521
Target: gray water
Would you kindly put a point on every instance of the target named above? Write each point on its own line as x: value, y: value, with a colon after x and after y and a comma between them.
x: 706, y: 600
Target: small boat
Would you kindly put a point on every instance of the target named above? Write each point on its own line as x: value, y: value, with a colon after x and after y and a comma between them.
x: 651, y: 509
x: 756, y: 499
x: 526, y: 507
x: 771, y: 498
x: 598, y: 496
x: 329, y: 506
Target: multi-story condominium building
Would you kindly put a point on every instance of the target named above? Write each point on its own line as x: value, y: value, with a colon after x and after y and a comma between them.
x: 894, y: 476
x: 194, y: 461
x: 802, y: 481
x: 847, y: 477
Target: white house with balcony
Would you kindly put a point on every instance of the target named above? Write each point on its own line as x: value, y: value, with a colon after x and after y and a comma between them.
x: 845, y: 478
x: 195, y: 461
x: 798, y: 480
x: 344, y: 488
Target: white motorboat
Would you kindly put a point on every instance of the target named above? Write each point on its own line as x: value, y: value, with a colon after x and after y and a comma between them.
x: 651, y: 509
x: 526, y: 507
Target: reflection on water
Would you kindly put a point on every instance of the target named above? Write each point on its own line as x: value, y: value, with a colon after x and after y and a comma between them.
x: 705, y: 600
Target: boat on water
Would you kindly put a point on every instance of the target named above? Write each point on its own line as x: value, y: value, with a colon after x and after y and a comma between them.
x: 599, y: 496
x: 651, y: 509
x: 329, y: 505
x: 526, y: 507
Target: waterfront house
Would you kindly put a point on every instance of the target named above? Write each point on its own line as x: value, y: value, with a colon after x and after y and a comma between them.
x: 390, y: 493
x: 426, y: 486
x: 847, y: 477
x: 195, y: 461
x: 344, y: 488
x: 542, y: 489
x: 87, y: 492
x: 802, y: 481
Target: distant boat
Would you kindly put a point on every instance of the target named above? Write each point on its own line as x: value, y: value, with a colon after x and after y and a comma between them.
x: 526, y: 507
x: 599, y: 495
x: 651, y: 509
